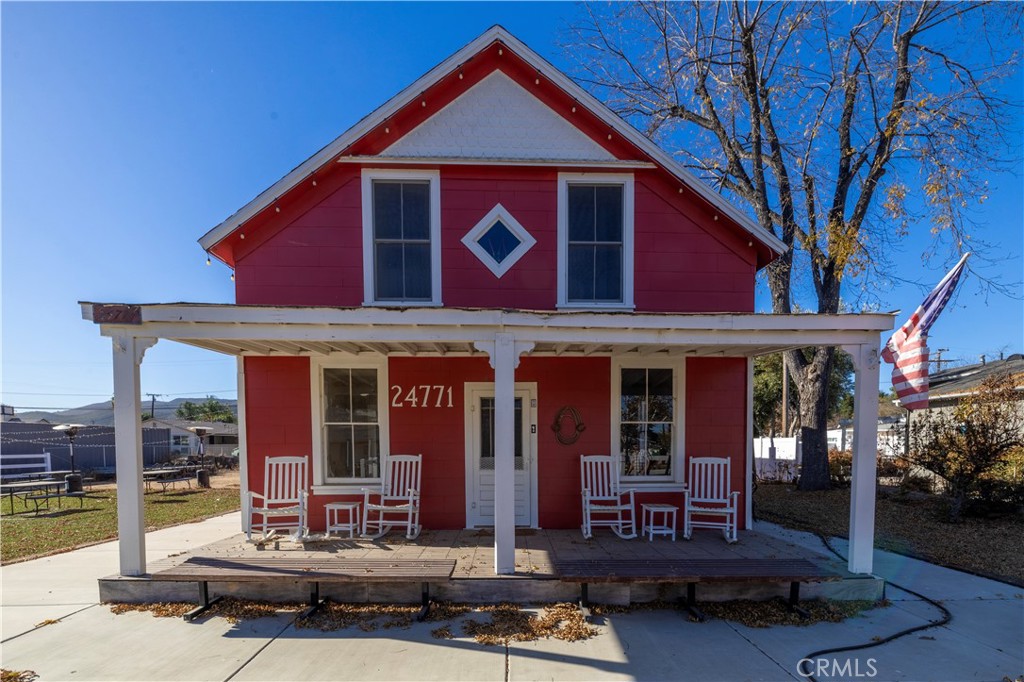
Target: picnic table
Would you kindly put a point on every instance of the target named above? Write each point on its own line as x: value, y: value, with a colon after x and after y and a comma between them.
x: 26, y: 488
x: 165, y: 476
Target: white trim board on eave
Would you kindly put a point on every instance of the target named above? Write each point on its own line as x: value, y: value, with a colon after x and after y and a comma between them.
x: 545, y: 69
x: 498, y: 118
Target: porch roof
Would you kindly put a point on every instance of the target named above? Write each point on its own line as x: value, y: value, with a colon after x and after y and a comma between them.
x: 296, y: 330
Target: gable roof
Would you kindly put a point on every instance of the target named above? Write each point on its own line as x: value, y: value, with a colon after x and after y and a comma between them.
x: 964, y: 380
x: 496, y: 34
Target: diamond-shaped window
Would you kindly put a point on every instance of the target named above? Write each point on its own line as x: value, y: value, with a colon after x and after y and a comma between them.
x: 498, y: 240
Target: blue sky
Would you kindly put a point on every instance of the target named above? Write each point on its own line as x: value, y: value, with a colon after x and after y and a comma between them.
x: 129, y: 130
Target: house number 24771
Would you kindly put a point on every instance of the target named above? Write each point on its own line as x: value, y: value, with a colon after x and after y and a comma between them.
x: 421, y: 396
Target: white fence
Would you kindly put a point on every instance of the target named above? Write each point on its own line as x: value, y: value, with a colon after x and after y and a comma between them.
x: 777, y: 459
x: 24, y: 466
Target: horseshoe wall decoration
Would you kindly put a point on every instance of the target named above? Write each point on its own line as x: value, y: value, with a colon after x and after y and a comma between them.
x: 578, y: 427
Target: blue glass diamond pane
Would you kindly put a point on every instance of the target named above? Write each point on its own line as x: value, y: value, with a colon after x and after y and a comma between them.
x: 498, y: 241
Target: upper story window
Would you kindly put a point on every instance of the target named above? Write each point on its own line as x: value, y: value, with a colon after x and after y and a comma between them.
x: 401, y: 237
x: 595, y: 240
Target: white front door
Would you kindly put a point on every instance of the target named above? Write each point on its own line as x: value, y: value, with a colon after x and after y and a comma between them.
x: 480, y: 454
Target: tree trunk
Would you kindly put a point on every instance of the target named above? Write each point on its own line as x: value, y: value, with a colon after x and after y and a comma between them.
x: 812, y: 382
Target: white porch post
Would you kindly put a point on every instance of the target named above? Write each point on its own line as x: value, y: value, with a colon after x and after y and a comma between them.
x: 128, y: 352
x: 504, y: 352
x: 865, y: 452
x: 243, y: 444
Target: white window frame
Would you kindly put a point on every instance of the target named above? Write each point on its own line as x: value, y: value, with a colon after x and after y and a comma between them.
x: 316, y: 383
x: 677, y: 480
x: 394, y: 174
x: 628, y: 210
x: 526, y: 240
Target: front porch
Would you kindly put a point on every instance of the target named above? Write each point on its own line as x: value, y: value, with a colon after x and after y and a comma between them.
x: 536, y: 578
x: 574, y: 357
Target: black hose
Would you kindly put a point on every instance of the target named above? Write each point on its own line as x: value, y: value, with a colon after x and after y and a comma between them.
x: 946, y: 618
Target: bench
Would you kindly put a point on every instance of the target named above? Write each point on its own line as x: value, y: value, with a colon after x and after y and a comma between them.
x: 691, y: 572
x: 164, y: 482
x: 46, y: 497
x: 204, y: 570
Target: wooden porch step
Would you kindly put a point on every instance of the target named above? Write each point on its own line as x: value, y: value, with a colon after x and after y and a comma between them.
x: 213, y: 569
x: 692, y: 570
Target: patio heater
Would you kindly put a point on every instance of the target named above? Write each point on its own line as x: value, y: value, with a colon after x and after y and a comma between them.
x: 202, y: 475
x: 72, y: 481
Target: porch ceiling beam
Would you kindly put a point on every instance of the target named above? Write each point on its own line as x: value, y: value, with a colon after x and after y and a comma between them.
x: 435, y: 317
x: 350, y: 348
x: 409, y: 348
x: 317, y: 347
x: 217, y: 346
x: 439, y: 348
x: 375, y: 337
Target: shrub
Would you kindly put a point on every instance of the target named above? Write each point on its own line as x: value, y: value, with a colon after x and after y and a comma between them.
x: 968, y: 444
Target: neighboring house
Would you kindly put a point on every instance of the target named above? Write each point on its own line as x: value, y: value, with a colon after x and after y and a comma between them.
x: 219, y: 438
x: 94, y: 445
x: 947, y: 387
x: 489, y: 248
x: 891, y: 433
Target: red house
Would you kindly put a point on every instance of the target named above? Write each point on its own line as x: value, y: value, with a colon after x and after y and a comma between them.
x: 490, y: 247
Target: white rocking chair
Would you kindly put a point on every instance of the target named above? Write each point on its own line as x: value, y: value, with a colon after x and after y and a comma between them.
x: 399, y: 495
x: 285, y: 497
x: 707, y: 494
x: 602, y: 497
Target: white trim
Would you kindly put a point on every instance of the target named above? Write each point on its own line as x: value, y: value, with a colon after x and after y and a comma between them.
x: 493, y: 34
x: 243, y: 440
x: 187, y: 314
x: 526, y: 240
x: 472, y: 390
x: 748, y: 484
x: 677, y: 479
x: 316, y: 372
x: 479, y: 161
x: 434, y: 178
x: 628, y: 217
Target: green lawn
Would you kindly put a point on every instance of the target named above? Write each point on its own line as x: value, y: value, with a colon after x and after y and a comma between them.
x: 24, y: 535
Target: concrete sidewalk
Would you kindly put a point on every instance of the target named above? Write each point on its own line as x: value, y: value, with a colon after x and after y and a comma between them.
x: 985, y: 640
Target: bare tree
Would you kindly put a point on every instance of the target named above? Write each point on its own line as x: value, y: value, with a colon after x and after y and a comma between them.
x: 840, y: 125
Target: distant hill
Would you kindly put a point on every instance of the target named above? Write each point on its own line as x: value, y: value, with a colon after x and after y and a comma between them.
x: 102, y: 414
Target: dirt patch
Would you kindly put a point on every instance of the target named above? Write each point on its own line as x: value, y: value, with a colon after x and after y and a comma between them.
x: 908, y: 524
x: 509, y: 623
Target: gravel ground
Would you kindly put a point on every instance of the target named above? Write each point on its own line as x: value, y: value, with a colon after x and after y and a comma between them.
x: 908, y: 524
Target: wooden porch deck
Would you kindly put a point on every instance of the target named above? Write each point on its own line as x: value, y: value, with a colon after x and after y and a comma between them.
x: 536, y: 578
x: 536, y: 550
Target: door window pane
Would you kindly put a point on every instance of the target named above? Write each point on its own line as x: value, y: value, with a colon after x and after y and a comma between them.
x: 487, y: 434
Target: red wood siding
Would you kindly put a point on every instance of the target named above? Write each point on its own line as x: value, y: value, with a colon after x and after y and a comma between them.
x: 439, y: 433
x: 716, y: 414
x: 684, y: 260
x: 279, y: 422
x: 316, y: 259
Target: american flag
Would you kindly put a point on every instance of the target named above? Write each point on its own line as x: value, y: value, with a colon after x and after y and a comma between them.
x: 907, y: 349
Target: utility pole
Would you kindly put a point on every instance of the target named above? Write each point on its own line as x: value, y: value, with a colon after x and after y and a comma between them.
x: 152, y: 404
x: 938, y: 358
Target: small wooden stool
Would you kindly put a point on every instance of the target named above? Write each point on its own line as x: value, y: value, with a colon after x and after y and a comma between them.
x: 649, y: 517
x: 334, y: 523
